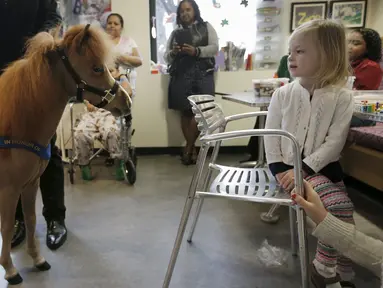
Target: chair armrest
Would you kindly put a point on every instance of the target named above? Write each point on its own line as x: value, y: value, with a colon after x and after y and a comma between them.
x: 248, y: 133
x: 245, y: 115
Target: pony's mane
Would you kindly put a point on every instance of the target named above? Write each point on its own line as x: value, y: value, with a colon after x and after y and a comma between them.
x: 25, y: 82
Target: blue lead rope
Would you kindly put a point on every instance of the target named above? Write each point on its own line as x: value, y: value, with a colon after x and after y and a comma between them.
x: 39, y: 150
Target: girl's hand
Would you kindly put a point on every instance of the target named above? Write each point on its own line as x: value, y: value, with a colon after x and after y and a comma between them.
x: 313, y: 206
x: 89, y: 106
x: 190, y: 50
x: 279, y: 176
x: 287, y: 181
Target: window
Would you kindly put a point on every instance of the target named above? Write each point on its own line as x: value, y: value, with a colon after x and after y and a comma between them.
x: 234, y: 20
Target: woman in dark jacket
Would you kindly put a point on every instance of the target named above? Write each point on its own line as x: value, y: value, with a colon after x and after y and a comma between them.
x: 190, y: 54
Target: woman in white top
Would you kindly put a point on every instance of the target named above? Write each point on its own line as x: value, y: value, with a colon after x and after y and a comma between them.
x: 130, y: 57
x: 317, y: 110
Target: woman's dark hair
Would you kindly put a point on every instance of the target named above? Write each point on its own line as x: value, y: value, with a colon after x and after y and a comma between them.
x: 118, y: 16
x: 197, y: 12
x: 373, y: 43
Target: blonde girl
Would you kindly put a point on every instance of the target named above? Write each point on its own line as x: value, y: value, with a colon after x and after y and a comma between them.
x: 317, y: 110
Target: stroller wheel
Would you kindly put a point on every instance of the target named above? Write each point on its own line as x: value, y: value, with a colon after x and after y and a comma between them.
x: 130, y: 172
x: 133, y: 155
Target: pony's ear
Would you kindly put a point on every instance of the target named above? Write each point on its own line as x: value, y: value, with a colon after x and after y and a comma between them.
x: 56, y: 31
x: 83, y: 39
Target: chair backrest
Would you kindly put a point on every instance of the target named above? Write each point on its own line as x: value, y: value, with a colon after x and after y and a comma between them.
x: 208, y: 114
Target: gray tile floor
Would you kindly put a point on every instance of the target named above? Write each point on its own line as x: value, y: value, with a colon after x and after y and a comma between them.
x: 122, y: 236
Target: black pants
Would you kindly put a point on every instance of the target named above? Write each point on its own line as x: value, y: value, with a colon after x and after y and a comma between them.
x: 252, y: 146
x: 52, y: 188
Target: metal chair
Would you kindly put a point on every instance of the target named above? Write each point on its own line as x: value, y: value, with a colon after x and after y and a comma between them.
x: 246, y: 184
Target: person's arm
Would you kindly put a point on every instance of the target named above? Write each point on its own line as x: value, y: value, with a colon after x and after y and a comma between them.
x: 212, y: 47
x: 50, y: 16
x: 273, y: 143
x: 336, y: 136
x: 90, y: 107
x: 344, y: 237
x: 134, y: 60
x: 169, y: 56
x: 368, y: 77
x: 352, y: 243
x: 124, y: 82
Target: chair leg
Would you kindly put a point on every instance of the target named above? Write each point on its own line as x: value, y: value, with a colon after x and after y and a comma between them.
x: 293, y: 231
x: 204, y: 188
x: 270, y: 217
x: 196, y: 217
x: 303, y: 247
x: 186, y: 213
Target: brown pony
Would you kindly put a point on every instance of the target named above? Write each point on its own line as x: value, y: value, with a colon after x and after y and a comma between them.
x: 33, y: 93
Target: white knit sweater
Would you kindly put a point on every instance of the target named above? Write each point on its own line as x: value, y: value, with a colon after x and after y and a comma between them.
x: 360, y: 248
x: 320, y: 125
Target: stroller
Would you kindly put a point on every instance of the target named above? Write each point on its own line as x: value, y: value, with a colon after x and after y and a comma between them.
x: 128, y: 151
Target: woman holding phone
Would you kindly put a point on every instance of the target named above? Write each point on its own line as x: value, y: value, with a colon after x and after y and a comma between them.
x: 190, y: 54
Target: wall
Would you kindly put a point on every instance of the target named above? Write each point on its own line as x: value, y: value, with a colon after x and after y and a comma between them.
x: 155, y: 125
x: 374, y: 15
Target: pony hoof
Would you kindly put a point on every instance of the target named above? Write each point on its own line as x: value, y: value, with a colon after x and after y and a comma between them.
x: 45, y: 266
x: 15, y: 280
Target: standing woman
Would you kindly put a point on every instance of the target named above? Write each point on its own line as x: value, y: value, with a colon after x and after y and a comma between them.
x: 190, y: 54
x: 130, y: 57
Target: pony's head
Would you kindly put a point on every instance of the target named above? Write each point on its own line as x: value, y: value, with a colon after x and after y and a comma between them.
x: 85, y: 54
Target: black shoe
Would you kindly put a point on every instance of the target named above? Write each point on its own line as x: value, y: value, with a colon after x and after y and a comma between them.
x: 18, y: 234
x: 56, y: 234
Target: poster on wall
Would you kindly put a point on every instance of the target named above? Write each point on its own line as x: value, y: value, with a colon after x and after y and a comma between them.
x: 302, y: 12
x: 351, y: 13
x: 92, y: 12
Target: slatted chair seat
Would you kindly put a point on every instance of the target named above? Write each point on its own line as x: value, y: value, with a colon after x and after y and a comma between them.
x: 254, y: 185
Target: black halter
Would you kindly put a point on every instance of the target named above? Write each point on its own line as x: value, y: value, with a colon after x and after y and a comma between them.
x: 107, y: 96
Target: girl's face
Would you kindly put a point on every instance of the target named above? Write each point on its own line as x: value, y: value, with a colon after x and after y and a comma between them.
x: 187, y: 14
x: 356, y: 46
x: 113, y: 26
x: 303, y: 56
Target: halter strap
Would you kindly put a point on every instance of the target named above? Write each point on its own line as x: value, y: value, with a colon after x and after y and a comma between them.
x: 106, y: 95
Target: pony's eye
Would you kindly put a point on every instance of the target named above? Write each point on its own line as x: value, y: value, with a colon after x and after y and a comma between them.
x: 98, y: 69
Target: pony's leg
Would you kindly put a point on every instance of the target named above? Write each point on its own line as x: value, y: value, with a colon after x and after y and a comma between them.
x: 8, y: 201
x: 28, y: 200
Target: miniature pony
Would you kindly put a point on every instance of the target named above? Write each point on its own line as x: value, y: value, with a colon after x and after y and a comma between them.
x: 33, y: 93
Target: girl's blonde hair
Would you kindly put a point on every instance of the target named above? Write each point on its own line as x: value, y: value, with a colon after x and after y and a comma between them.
x: 330, y: 37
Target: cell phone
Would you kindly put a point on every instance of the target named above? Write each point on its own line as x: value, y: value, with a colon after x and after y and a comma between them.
x: 183, y: 37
